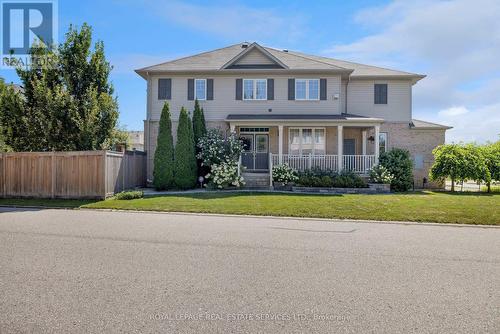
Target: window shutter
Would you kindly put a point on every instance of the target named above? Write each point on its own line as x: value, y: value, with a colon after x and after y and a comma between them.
x: 210, y: 89
x: 239, y: 89
x: 322, y: 89
x: 190, y: 89
x: 380, y: 94
x: 291, y: 89
x: 384, y: 94
x: 270, y: 89
x: 164, y: 89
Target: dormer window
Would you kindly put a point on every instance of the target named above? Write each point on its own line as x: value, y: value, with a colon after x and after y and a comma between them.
x: 306, y: 89
x: 254, y: 89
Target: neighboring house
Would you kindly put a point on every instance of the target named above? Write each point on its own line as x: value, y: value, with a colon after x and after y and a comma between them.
x: 295, y: 108
x: 135, y: 140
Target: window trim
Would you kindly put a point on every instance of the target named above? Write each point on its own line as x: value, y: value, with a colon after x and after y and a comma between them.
x: 195, y: 90
x: 375, y: 93
x: 313, y: 128
x: 386, y: 141
x: 307, y: 98
x: 254, y: 89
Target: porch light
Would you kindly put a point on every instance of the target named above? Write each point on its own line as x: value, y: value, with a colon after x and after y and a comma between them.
x: 371, y: 138
x: 270, y: 109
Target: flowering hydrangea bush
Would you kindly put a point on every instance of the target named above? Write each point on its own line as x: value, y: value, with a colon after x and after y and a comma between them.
x: 224, y: 175
x: 221, y: 153
x: 284, y: 174
x: 380, y: 174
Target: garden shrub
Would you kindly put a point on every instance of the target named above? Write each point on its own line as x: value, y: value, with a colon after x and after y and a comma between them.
x: 398, y: 162
x: 199, y: 130
x: 328, y: 179
x: 163, y: 172
x: 284, y: 174
x: 185, y: 171
x: 131, y: 194
x: 221, y: 154
x: 380, y: 174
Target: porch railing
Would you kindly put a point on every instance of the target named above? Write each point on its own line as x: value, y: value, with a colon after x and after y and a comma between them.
x: 360, y: 164
x: 302, y: 162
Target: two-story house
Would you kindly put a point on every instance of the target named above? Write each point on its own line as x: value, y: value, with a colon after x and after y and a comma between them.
x: 295, y: 108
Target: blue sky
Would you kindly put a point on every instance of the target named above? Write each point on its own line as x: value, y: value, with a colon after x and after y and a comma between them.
x: 456, y: 43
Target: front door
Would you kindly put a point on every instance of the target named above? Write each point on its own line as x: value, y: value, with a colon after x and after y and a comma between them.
x: 255, y: 156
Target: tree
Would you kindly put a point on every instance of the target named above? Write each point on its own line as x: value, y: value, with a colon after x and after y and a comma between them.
x: 398, y: 162
x: 67, y: 105
x: 199, y: 126
x: 491, y: 154
x: 448, y: 162
x: 475, y: 167
x: 199, y: 130
x: 163, y: 172
x: 185, y: 160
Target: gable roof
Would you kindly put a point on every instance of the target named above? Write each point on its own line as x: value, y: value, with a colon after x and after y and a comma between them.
x: 224, y: 59
x: 250, y: 48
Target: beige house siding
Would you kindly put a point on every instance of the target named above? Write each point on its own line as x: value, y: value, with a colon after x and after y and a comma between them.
x: 224, y: 102
x: 360, y: 100
x: 254, y: 57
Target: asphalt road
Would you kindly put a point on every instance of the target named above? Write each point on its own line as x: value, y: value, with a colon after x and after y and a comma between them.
x: 110, y: 272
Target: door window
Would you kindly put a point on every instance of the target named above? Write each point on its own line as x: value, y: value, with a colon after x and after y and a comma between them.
x: 261, y: 146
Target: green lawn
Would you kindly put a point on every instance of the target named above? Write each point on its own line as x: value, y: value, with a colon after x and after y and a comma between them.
x: 463, y: 208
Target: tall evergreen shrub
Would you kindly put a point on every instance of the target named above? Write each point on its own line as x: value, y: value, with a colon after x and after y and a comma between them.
x: 185, y: 171
x: 163, y: 173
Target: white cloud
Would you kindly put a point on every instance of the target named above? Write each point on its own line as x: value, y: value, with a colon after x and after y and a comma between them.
x: 456, y: 43
x: 233, y: 20
x: 479, y: 125
x: 453, y: 111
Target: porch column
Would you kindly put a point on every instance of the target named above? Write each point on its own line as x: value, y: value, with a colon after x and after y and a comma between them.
x: 280, y: 144
x: 363, y: 141
x: 340, y: 147
x: 377, y: 146
x: 232, y: 127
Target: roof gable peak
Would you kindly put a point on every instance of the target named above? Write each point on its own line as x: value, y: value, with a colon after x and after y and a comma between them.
x: 270, y: 62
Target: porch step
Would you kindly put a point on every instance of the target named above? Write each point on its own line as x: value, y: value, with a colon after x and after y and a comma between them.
x: 256, y: 180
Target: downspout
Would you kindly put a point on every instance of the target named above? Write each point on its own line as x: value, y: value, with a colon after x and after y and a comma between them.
x: 346, y: 86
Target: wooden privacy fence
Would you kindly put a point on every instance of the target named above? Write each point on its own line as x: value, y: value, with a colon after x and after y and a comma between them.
x: 85, y: 174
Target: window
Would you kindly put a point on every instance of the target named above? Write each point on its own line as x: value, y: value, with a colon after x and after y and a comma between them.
x: 307, y: 89
x: 200, y: 89
x: 382, y: 142
x: 307, y: 141
x: 254, y: 89
x: 380, y: 93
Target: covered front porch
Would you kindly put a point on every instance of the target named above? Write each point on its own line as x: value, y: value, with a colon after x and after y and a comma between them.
x: 329, y: 142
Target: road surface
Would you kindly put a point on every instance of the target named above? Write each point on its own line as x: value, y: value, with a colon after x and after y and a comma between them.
x: 67, y: 271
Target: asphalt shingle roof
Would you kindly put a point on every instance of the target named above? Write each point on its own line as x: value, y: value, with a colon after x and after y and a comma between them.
x: 215, y: 60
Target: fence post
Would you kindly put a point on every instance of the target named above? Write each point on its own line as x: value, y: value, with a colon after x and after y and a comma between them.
x: 104, y: 173
x: 4, y: 179
x: 53, y: 173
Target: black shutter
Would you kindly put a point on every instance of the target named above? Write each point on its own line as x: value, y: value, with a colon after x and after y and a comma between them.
x: 190, y: 89
x: 164, y: 89
x: 291, y: 89
x: 384, y: 94
x: 270, y: 89
x: 239, y: 89
x: 322, y: 89
x: 210, y: 89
